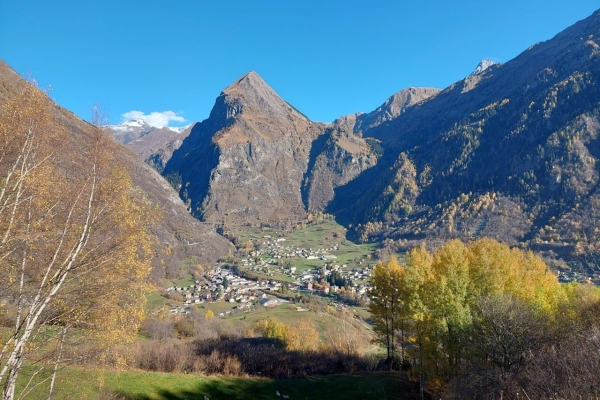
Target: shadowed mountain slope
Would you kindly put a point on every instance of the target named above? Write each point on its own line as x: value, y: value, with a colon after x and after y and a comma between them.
x: 179, y: 235
x: 511, y: 152
x: 245, y: 163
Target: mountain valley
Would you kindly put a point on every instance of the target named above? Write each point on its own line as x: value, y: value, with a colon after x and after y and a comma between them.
x: 442, y: 245
x: 509, y: 152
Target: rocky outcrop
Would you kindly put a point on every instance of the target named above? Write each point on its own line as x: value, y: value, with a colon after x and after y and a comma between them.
x: 337, y: 157
x: 342, y: 153
x: 392, y: 108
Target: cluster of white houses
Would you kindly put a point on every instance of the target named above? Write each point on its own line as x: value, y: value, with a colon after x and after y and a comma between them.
x: 222, y: 284
x: 276, y: 250
x: 276, y: 263
x: 568, y: 275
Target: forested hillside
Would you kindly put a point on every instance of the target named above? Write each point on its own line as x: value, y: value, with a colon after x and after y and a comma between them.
x: 510, y: 153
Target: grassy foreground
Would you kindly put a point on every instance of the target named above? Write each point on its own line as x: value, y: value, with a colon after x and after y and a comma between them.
x: 80, y: 383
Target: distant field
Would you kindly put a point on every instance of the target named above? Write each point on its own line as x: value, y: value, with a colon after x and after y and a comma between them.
x: 313, y: 236
x: 322, y: 236
x: 185, y: 282
x: 285, y: 313
x: 363, y: 312
x: 79, y: 383
x: 155, y: 300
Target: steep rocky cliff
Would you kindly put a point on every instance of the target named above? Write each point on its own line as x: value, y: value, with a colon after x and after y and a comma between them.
x: 245, y: 163
x: 257, y: 159
x: 342, y: 153
x: 336, y: 157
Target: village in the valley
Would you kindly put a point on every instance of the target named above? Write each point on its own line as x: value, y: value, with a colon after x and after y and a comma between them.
x: 267, y: 274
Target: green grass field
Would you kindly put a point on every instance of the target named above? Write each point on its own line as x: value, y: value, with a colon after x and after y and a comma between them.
x: 163, y: 387
x: 326, y: 234
x: 79, y: 383
x: 155, y: 300
x: 185, y: 282
x: 322, y: 236
x: 285, y: 313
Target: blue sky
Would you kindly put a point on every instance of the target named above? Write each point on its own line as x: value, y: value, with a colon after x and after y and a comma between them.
x: 327, y: 58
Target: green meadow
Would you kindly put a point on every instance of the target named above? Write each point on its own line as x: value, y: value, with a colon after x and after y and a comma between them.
x: 80, y: 383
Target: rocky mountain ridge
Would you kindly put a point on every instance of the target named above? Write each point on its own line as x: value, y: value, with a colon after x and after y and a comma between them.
x: 510, y: 152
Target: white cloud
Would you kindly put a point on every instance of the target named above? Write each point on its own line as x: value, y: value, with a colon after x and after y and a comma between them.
x: 156, y: 118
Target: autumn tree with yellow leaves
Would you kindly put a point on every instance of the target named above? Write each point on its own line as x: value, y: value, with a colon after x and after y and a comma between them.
x: 272, y: 329
x: 452, y: 301
x: 387, y: 305
x: 303, y: 337
x: 74, y: 243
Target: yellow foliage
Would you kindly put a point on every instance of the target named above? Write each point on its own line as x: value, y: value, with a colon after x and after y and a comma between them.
x: 388, y: 301
x: 302, y: 337
x: 330, y: 310
x: 438, y: 295
x: 76, y: 246
x: 272, y: 329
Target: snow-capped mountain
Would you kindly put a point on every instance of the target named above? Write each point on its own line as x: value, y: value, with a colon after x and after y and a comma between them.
x: 134, y: 129
x: 482, y: 66
x: 154, y: 145
x: 129, y: 131
x: 179, y: 129
x: 129, y: 125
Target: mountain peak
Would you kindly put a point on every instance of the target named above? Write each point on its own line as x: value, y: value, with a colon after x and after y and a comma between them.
x: 248, y: 81
x: 251, y: 92
x: 482, y: 66
x: 251, y: 75
x: 129, y: 125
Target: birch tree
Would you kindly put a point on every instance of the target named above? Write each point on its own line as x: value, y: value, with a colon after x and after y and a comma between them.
x: 74, y: 245
x: 388, y: 304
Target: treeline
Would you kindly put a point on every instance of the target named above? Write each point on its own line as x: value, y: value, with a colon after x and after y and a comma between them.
x: 485, y: 321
